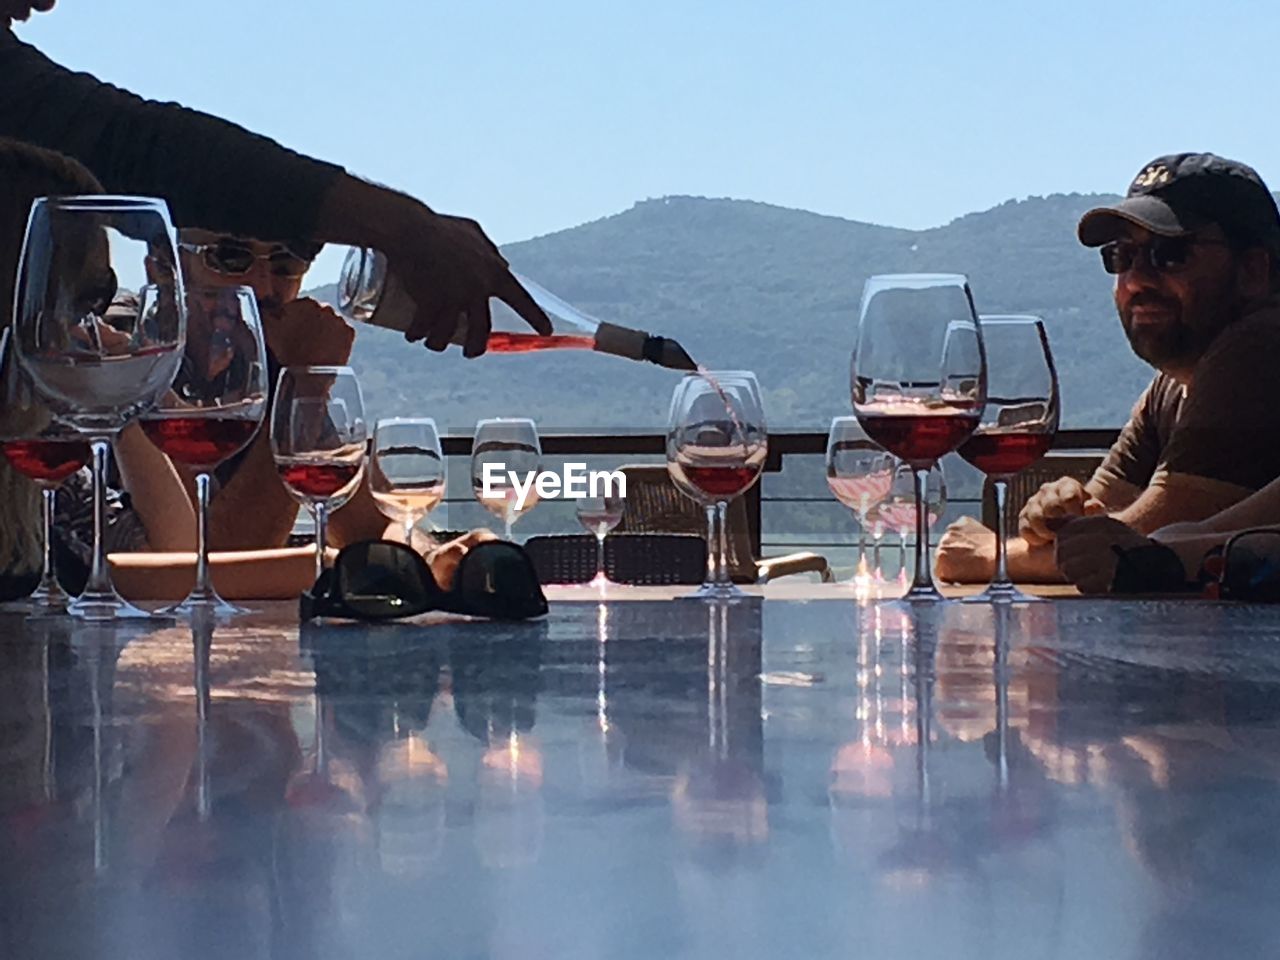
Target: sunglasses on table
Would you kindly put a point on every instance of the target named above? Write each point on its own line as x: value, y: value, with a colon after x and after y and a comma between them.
x: 385, y: 580
x: 1161, y: 254
x: 231, y: 258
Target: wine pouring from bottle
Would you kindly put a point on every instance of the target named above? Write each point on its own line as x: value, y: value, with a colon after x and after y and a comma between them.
x: 370, y: 292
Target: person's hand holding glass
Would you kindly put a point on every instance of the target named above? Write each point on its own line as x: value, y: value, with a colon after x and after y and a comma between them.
x: 717, y: 442
x: 212, y: 411
x: 318, y: 439
x: 859, y: 473
x: 406, y: 470
x: 503, y: 447
x: 1018, y: 426
x: 919, y: 381
x: 98, y: 355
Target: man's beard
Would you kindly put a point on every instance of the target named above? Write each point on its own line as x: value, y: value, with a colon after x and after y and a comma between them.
x: 1177, y: 344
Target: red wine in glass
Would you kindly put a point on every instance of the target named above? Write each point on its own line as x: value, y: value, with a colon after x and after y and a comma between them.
x: 46, y: 461
x: 721, y: 483
x: 199, y: 441
x: 919, y: 439
x: 1004, y: 454
x: 317, y: 479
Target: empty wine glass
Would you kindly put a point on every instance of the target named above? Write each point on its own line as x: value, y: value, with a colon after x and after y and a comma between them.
x: 919, y: 380
x: 212, y: 411
x: 717, y: 442
x: 600, y: 515
x: 899, y: 507
x: 98, y: 354
x: 859, y: 473
x: 406, y: 469
x: 1018, y: 425
x: 45, y: 451
x: 318, y: 440
x: 504, y: 453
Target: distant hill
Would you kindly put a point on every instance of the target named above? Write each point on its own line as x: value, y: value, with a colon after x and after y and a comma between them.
x: 749, y: 285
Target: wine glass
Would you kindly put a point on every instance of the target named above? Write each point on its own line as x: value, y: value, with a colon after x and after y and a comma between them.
x: 859, y: 473
x: 919, y: 381
x: 600, y: 515
x: 318, y: 439
x: 406, y: 469
x: 504, y: 453
x: 98, y: 354
x: 1018, y: 425
x: 44, y: 451
x: 212, y: 411
x: 717, y: 441
x: 899, y: 506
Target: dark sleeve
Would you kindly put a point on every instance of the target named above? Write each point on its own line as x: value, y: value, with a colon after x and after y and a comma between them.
x: 214, y: 174
x: 1134, y: 456
x: 1230, y: 425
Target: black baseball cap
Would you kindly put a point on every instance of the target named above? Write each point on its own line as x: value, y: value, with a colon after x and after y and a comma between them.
x: 1185, y: 192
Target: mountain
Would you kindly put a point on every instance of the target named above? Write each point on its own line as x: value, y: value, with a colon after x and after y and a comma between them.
x: 749, y: 285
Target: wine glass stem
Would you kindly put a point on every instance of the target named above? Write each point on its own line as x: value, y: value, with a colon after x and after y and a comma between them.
x: 321, y: 510
x: 860, y: 561
x: 99, y: 576
x: 1000, y: 489
x: 50, y: 592
x: 203, y: 587
x: 713, y: 565
x: 600, y: 556
x: 923, y: 575
x: 722, y: 540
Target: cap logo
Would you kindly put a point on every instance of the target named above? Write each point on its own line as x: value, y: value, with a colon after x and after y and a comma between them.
x: 1154, y: 175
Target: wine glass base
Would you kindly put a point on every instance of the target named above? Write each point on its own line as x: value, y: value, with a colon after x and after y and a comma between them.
x: 1002, y: 593
x: 921, y: 593
x: 204, y: 605
x: 716, y: 591
x: 107, y: 607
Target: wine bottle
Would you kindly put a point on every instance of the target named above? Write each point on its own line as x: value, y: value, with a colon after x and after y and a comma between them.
x: 368, y: 291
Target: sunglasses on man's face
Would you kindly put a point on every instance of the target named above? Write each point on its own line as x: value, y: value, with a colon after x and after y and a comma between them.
x: 231, y: 259
x: 1161, y: 254
x: 384, y: 580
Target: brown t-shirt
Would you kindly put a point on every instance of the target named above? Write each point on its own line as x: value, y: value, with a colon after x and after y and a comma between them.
x: 1224, y: 427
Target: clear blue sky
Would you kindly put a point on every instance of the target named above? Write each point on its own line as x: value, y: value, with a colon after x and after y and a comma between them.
x: 533, y: 117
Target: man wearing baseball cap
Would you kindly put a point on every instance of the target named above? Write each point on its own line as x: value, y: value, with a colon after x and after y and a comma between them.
x: 1194, y: 247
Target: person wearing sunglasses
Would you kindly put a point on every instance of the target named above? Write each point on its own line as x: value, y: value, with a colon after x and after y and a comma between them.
x: 1194, y: 250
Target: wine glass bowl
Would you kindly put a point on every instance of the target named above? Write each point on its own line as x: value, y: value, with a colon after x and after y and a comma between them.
x: 1018, y: 425
x: 406, y: 470
x: 212, y: 410
x: 99, y: 326
x: 318, y: 440
x: 859, y: 475
x: 600, y: 515
x: 46, y: 452
x: 717, y: 442
x: 918, y: 380
x: 505, y: 451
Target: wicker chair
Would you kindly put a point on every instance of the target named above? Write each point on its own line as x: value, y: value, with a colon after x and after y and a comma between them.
x: 654, y: 505
x: 1026, y: 483
x: 641, y: 558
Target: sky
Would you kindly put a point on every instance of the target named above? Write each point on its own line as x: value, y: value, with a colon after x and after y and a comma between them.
x: 536, y: 117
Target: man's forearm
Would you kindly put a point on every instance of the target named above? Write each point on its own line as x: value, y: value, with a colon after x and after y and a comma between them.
x: 156, y: 491
x: 1032, y: 564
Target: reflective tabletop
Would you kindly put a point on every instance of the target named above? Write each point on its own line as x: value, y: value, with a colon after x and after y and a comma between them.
x: 768, y: 778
